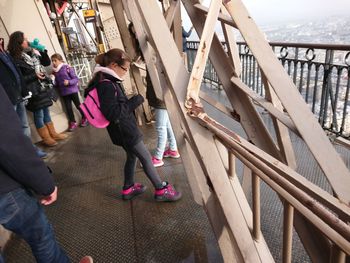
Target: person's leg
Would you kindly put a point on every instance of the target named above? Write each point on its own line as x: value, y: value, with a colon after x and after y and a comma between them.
x: 76, y: 101
x: 27, y: 219
x: 172, y: 151
x: 39, y: 118
x: 170, y: 133
x: 142, y: 153
x: 164, y: 192
x: 68, y: 103
x: 161, y: 127
x: 129, y: 168
x: 22, y: 114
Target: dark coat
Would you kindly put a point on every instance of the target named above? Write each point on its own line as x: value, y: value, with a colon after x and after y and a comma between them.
x: 118, y: 109
x: 14, y: 87
x: 151, y: 95
x: 41, y: 96
x: 20, y: 167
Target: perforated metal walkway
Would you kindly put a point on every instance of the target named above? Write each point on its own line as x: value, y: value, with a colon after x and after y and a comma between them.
x: 90, y: 218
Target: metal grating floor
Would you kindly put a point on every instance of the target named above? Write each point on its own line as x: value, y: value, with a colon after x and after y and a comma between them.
x: 90, y: 218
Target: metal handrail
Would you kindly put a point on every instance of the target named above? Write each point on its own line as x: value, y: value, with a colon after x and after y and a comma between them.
x: 321, y: 72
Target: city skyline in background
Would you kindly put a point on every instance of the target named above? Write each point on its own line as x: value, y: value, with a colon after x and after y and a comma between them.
x: 302, y: 15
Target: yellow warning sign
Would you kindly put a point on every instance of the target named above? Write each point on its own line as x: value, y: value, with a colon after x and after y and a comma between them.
x: 89, y: 13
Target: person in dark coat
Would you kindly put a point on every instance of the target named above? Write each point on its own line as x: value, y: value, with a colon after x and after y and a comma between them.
x: 123, y: 131
x: 21, y: 169
x: 30, y: 62
x: 12, y: 81
x: 21, y: 172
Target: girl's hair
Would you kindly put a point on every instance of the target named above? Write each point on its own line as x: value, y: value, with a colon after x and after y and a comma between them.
x: 115, y: 55
x: 57, y: 56
x: 15, y: 44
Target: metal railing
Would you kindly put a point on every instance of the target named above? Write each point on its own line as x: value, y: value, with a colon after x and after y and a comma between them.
x: 320, y: 72
x: 83, y: 64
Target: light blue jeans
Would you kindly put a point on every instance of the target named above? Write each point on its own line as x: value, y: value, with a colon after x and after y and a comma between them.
x: 165, y: 133
x: 22, y: 114
x: 41, y: 117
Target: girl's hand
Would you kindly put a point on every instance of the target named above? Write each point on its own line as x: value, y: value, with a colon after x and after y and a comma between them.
x: 66, y: 82
x: 40, y: 75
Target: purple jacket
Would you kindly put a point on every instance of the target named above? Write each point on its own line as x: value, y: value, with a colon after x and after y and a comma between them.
x: 66, y: 72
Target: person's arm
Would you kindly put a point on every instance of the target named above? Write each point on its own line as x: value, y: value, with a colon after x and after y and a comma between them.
x: 186, y: 34
x: 18, y: 157
x: 44, y: 58
x: 73, y: 77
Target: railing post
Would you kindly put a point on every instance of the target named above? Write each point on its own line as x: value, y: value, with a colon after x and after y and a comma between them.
x: 327, y: 83
x: 288, y: 216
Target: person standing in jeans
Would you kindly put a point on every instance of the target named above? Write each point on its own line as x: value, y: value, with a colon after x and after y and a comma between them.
x: 30, y: 62
x: 13, y: 83
x: 22, y: 171
x: 165, y: 134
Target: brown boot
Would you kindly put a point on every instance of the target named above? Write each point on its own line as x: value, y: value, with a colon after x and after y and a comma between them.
x: 45, y: 135
x: 53, y: 133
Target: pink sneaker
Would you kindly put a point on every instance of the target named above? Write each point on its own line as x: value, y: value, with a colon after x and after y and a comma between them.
x: 86, y: 259
x: 172, y: 154
x: 167, y: 194
x: 133, y: 191
x: 84, y: 122
x: 156, y: 162
x: 72, y: 126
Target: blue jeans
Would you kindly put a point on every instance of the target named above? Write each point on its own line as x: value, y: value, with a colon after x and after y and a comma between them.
x: 41, y: 117
x: 165, y: 133
x: 22, y: 114
x: 21, y: 213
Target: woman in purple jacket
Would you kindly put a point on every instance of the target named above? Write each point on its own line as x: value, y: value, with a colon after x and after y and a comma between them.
x: 67, y: 83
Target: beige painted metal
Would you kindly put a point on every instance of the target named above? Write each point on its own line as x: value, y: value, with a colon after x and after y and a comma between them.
x: 310, y: 130
x: 282, y: 133
x: 117, y: 7
x: 175, y: 73
x: 256, y: 207
x: 232, y: 47
x: 200, y: 61
x: 249, y: 118
x: 288, y: 213
x: 328, y: 222
x: 281, y: 116
x: 200, y: 149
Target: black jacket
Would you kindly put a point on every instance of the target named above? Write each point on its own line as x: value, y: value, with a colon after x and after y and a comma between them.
x: 20, y: 167
x: 41, y: 96
x: 151, y: 95
x: 118, y: 109
x: 14, y: 88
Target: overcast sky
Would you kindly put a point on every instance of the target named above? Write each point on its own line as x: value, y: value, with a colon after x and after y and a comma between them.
x: 266, y: 12
x: 270, y: 12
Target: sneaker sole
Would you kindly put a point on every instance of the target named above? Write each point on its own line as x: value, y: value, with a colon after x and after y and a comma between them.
x: 158, y: 164
x: 172, y: 156
x: 161, y: 199
x: 126, y: 197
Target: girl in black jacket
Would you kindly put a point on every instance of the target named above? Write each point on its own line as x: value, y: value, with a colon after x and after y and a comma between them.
x: 123, y: 130
x: 31, y: 62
